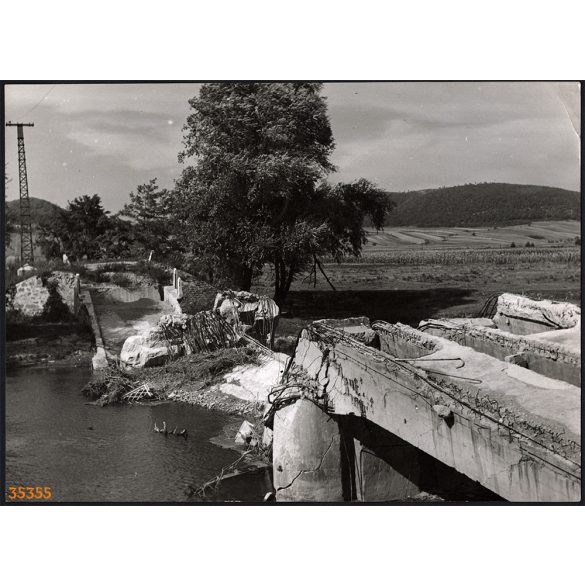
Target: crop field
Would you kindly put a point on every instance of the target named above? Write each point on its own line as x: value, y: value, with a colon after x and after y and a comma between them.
x: 453, y: 275
x: 540, y: 233
x: 453, y: 256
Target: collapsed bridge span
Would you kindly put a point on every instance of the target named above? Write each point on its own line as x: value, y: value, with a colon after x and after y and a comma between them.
x: 387, y: 412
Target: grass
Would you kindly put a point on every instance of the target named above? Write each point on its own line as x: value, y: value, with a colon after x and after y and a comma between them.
x: 411, y: 284
x: 203, y: 369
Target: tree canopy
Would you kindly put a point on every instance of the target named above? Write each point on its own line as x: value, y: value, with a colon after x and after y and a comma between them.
x: 84, y: 228
x: 148, y: 212
x: 257, y: 192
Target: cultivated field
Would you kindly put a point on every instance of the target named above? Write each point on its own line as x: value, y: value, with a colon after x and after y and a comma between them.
x: 399, y: 280
x: 539, y: 233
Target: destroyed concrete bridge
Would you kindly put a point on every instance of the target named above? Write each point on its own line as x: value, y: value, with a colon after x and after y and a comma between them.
x: 480, y: 409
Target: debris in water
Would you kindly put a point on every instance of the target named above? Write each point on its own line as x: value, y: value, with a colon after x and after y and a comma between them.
x: 141, y: 392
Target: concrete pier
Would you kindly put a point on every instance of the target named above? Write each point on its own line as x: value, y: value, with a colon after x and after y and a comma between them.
x: 306, y: 455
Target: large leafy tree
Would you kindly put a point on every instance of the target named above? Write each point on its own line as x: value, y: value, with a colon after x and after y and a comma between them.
x: 257, y: 192
x: 148, y: 212
x: 78, y: 231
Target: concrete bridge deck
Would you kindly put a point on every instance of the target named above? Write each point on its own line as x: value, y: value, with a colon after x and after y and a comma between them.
x: 477, y: 407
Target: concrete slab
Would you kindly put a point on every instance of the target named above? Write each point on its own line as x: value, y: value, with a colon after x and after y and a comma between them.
x: 254, y: 382
x: 515, y: 432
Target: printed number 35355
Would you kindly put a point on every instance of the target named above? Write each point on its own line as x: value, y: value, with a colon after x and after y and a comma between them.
x: 29, y: 493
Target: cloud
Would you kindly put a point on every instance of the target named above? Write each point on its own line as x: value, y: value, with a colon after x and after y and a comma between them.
x: 142, y: 141
x: 108, y: 138
x: 411, y: 135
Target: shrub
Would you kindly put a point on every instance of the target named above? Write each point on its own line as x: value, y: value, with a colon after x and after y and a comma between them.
x: 158, y: 273
x: 121, y: 280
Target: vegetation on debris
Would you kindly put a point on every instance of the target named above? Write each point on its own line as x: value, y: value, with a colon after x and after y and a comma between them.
x: 182, y: 379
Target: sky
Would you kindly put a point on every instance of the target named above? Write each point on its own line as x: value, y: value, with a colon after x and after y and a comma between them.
x: 109, y: 138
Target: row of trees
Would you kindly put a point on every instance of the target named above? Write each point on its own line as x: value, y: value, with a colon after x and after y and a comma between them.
x: 84, y: 229
x: 255, y: 193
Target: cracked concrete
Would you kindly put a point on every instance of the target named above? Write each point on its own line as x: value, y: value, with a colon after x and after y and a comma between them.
x: 513, y: 430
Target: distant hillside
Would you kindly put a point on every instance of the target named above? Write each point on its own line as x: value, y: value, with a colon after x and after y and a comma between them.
x: 40, y: 209
x: 484, y: 204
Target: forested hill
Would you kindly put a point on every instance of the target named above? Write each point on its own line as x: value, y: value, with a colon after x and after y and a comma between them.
x: 484, y: 204
x: 40, y: 210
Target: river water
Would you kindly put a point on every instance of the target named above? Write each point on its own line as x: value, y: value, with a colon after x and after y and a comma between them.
x: 85, y: 453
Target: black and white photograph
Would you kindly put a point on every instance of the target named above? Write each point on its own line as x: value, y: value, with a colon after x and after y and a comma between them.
x: 293, y: 292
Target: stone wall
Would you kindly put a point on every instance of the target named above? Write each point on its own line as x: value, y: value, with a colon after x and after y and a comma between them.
x: 31, y: 295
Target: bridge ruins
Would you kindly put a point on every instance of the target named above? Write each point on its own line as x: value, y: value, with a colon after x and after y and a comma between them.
x: 483, y: 409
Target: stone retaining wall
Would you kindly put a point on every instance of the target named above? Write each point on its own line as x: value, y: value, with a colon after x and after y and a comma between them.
x: 32, y: 294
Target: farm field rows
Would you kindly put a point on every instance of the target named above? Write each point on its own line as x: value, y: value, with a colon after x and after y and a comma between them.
x: 541, y: 233
x: 453, y: 275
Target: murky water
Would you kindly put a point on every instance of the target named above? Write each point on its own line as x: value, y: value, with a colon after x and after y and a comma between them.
x: 86, y: 453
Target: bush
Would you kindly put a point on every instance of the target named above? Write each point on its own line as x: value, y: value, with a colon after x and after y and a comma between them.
x: 121, y: 280
x: 158, y: 273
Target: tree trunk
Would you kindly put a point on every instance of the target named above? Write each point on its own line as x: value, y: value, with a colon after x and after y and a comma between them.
x: 241, y: 277
x: 283, y: 281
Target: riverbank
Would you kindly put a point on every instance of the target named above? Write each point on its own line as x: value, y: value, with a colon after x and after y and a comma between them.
x: 189, y: 378
x: 197, y: 380
x: 55, y: 344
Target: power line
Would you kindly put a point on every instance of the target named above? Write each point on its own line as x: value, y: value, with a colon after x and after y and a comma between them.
x: 38, y: 103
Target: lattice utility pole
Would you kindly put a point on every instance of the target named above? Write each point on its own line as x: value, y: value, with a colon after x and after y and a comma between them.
x: 26, y: 236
